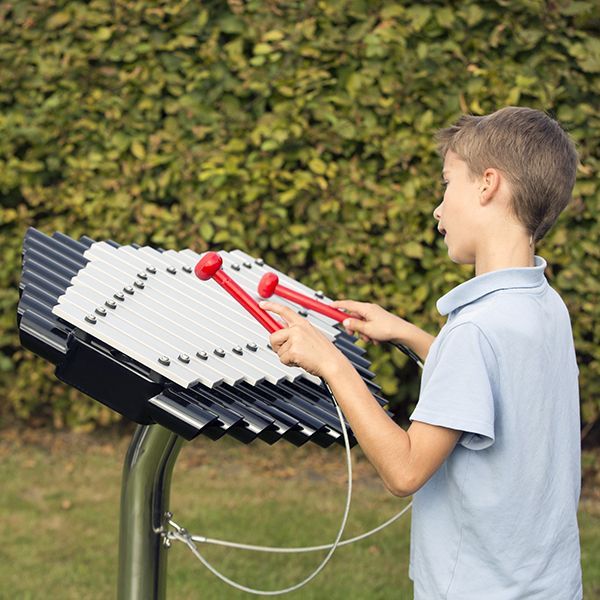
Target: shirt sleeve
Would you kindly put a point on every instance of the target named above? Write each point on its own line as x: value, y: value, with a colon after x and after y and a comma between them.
x: 457, y: 388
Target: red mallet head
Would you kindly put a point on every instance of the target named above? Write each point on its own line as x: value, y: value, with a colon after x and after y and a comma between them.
x: 208, y: 265
x: 267, y: 285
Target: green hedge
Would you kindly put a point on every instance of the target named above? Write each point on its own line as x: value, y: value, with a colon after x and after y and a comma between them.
x: 298, y: 131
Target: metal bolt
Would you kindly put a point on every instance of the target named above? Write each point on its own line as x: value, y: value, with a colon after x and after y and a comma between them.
x: 171, y: 270
x: 201, y: 354
x: 139, y: 284
x: 119, y: 296
x: 235, y: 267
x: 184, y: 358
x: 319, y: 294
x: 238, y: 349
x: 168, y: 515
x: 142, y: 276
x: 90, y: 319
x: 247, y: 264
x: 166, y: 542
x: 220, y: 352
x: 151, y: 269
x: 302, y: 313
x: 164, y: 360
x: 110, y: 304
x: 252, y: 346
x: 260, y: 262
x: 101, y: 311
x: 128, y: 289
x: 187, y: 269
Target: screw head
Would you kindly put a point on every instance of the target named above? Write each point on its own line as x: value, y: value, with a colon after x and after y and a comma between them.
x: 219, y: 352
x: 238, y: 349
x: 142, y: 276
x: 247, y: 264
x: 260, y: 262
x: 252, y: 346
x: 100, y: 311
x: 187, y: 269
x: 302, y: 313
x: 171, y: 270
x: 235, y: 267
x: 184, y: 358
x: 128, y: 290
x: 90, y: 319
x: 164, y: 360
x: 119, y: 296
x: 139, y: 284
x: 110, y: 303
x: 319, y: 294
x: 151, y: 269
x: 201, y: 354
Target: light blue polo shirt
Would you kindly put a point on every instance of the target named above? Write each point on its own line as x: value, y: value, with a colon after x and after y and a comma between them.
x: 498, y: 520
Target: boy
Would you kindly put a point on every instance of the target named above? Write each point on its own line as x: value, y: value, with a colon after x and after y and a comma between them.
x: 492, y: 455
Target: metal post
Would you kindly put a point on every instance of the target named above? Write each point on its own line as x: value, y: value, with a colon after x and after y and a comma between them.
x: 145, y: 492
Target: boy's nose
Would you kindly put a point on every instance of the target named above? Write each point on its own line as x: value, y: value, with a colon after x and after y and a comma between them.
x: 437, y: 213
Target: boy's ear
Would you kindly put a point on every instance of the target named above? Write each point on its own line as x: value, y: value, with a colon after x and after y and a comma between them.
x: 491, y: 182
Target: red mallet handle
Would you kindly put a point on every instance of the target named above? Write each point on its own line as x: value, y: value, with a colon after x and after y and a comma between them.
x: 269, y: 285
x: 209, y: 266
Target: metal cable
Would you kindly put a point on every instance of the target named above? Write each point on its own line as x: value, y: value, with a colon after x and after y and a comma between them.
x: 291, y: 549
x: 183, y: 536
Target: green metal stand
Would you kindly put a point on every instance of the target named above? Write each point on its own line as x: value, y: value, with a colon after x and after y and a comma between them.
x: 145, y: 493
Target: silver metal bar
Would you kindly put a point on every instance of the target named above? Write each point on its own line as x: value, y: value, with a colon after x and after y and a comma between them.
x: 155, y: 321
x: 214, y: 306
x: 145, y: 494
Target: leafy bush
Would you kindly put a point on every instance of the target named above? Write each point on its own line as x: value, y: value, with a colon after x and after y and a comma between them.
x: 301, y: 132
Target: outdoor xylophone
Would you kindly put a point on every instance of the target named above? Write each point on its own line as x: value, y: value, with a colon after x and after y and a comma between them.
x: 135, y: 328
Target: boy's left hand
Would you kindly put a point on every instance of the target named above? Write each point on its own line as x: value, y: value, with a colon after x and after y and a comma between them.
x: 300, y: 344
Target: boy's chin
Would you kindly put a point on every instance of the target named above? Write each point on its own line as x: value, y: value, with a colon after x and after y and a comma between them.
x: 460, y: 258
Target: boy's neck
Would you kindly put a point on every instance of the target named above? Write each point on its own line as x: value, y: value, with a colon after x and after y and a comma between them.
x: 508, y: 254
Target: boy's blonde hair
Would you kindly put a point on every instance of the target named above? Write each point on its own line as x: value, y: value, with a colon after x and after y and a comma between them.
x: 531, y: 149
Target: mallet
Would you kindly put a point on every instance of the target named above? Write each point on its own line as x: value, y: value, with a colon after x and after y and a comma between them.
x: 269, y: 285
x: 209, y: 267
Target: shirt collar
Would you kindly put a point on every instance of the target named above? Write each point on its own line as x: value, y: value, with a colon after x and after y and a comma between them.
x: 473, y: 289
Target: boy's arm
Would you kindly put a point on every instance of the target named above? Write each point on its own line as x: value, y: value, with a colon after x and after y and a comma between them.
x: 415, y: 338
x: 405, y: 460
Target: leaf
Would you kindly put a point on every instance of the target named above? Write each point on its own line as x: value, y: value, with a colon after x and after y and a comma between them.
x: 273, y: 36
x: 413, y: 250
x: 58, y: 20
x: 316, y: 165
x: 207, y: 231
x: 138, y: 150
x: 260, y: 49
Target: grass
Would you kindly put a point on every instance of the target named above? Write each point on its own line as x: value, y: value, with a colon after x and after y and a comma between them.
x: 59, y: 503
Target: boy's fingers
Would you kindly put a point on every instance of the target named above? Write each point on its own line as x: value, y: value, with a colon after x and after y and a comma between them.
x: 354, y: 325
x: 278, y: 338
x: 349, y: 304
x: 285, y: 312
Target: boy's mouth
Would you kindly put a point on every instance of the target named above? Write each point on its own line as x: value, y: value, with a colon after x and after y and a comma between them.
x: 442, y: 230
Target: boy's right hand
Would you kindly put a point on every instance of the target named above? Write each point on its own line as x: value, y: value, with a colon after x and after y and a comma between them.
x: 371, y: 322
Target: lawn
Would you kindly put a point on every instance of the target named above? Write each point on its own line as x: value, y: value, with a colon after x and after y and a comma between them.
x: 59, y: 505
